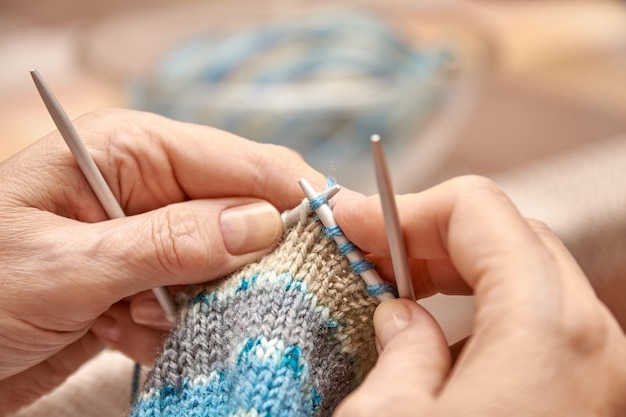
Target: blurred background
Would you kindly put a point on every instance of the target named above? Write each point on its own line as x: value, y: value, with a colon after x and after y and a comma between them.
x: 458, y: 86
x: 529, y: 93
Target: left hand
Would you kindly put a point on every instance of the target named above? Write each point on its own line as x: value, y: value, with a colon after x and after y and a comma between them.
x: 200, y: 203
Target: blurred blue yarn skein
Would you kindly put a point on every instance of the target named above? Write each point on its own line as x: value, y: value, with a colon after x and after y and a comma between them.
x: 320, y: 83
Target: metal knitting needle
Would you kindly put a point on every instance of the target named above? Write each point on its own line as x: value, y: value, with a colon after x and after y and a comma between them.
x: 91, y: 172
x: 397, y: 247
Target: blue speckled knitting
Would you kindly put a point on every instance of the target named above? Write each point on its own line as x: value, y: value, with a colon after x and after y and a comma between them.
x: 290, y: 335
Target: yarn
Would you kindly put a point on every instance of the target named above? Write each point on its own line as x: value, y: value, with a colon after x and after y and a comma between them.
x: 289, y: 335
x: 318, y: 83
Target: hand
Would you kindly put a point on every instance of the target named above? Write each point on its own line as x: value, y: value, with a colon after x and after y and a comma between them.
x: 542, y: 343
x: 200, y: 202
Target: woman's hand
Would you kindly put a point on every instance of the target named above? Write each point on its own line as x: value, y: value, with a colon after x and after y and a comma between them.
x: 200, y: 202
x: 542, y: 343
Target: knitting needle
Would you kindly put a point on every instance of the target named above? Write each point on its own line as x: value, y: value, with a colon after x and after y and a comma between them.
x: 291, y: 216
x: 91, y: 172
x: 325, y: 214
x: 397, y: 247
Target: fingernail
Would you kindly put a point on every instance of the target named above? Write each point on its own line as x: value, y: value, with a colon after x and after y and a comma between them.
x: 250, y: 227
x: 391, y: 318
x: 106, y: 329
x: 149, y: 313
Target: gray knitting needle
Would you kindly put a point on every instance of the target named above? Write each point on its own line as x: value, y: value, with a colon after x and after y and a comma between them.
x: 397, y: 247
x: 91, y: 172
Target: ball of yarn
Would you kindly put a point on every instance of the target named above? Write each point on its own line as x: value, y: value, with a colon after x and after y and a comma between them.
x: 320, y: 83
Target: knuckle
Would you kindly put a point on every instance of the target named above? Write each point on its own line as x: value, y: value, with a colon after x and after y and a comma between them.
x: 177, y: 245
x: 585, y: 331
x: 476, y: 184
x: 543, y: 231
x: 290, y: 158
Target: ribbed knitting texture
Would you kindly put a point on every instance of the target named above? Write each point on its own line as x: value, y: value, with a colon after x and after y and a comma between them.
x: 289, y: 335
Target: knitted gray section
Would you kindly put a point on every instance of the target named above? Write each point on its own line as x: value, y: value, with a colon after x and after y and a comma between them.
x: 204, y: 342
x: 303, y: 295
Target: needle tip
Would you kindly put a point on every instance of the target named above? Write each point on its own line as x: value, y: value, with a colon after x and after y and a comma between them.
x: 375, y: 138
x: 307, y: 189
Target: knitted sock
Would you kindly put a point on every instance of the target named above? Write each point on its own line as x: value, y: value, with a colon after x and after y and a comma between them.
x: 289, y: 335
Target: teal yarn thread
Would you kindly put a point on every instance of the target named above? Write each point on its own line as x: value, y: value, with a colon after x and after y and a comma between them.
x: 361, y: 266
x: 134, y: 387
x: 378, y: 289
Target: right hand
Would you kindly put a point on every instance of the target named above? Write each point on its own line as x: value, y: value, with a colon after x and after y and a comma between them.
x: 542, y: 342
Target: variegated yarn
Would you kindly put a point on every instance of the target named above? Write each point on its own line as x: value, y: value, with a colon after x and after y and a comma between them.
x: 290, y: 335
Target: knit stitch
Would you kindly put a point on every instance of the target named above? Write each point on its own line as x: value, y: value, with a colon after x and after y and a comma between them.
x: 289, y: 335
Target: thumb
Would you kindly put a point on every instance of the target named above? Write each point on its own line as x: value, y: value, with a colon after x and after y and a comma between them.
x: 412, y: 366
x: 183, y: 243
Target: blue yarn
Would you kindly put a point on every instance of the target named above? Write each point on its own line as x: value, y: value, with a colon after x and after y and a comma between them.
x: 332, y: 324
x: 134, y: 387
x: 379, y: 289
x: 295, y: 283
x: 361, y: 266
x: 245, y: 282
x: 259, y: 383
x: 320, y: 200
x: 334, y: 231
x: 240, y: 81
x: 317, y: 202
x: 346, y: 247
x: 204, y: 298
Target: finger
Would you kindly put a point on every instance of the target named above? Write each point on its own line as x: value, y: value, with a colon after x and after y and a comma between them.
x: 457, y: 349
x: 430, y: 265
x: 178, y: 160
x: 473, y: 224
x: 412, y: 366
x: 429, y: 276
x: 582, y: 315
x: 561, y: 254
x: 26, y: 387
x: 190, y: 242
x: 146, y: 311
x: 117, y: 330
x: 195, y: 241
x: 411, y: 342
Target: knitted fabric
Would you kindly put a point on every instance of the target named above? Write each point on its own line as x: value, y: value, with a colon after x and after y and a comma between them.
x: 289, y: 335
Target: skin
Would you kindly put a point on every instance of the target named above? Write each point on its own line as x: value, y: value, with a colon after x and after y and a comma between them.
x: 542, y: 343
x: 202, y: 202
x: 72, y: 281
